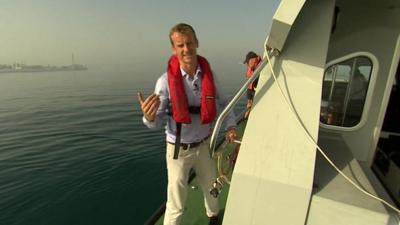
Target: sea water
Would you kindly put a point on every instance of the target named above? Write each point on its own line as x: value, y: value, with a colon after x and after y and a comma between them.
x: 74, y: 151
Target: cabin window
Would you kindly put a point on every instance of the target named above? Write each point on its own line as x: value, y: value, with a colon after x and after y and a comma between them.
x: 344, y: 91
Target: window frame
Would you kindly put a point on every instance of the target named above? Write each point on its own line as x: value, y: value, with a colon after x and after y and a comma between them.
x: 370, y: 89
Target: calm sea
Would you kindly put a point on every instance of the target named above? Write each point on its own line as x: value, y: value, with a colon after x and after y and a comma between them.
x: 74, y: 151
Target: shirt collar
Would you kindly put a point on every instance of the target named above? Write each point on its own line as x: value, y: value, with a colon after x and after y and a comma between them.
x: 198, y: 72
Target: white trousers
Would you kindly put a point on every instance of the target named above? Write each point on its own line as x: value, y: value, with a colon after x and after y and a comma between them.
x: 178, y: 174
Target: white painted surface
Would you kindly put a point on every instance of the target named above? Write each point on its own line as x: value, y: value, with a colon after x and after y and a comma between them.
x: 334, y: 198
x: 274, y: 171
x: 282, y: 21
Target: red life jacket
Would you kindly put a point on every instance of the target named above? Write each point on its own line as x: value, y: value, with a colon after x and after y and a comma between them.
x: 179, y: 101
x: 250, y: 73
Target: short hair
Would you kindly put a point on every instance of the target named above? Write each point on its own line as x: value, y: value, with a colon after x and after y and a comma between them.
x: 182, y: 28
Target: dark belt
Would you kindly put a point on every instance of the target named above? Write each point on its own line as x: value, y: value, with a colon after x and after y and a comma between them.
x: 186, y: 146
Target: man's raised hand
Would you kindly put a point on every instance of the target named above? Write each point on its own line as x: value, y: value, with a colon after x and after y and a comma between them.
x: 149, y: 106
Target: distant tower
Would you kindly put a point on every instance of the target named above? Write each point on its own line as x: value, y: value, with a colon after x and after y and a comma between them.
x: 73, y: 61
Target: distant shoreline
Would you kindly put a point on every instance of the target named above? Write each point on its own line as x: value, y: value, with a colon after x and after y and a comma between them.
x: 75, y: 67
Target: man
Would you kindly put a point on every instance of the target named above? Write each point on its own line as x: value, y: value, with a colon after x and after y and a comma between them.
x: 252, y: 60
x: 187, y: 89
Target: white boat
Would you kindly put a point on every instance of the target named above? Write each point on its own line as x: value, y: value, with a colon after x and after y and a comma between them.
x: 318, y: 48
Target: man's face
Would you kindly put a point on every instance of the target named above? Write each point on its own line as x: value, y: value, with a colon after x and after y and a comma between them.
x: 184, y: 47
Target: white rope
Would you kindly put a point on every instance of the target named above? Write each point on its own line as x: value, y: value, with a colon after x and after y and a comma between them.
x: 319, y: 149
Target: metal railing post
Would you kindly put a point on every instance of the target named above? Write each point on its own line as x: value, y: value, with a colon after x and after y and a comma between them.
x: 232, y: 103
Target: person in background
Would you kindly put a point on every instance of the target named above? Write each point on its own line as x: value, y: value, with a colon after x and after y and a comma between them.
x: 359, y: 85
x: 189, y: 96
x: 358, y: 91
x: 252, y: 60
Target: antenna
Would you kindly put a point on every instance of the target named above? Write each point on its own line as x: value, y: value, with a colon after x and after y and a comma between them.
x: 73, y: 60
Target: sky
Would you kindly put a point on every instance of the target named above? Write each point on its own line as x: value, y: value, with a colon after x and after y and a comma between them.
x: 128, y: 33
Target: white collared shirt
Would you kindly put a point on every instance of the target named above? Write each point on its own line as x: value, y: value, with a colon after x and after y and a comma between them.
x: 195, y: 131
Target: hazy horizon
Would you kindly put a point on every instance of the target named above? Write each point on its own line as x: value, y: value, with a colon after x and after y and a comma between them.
x: 124, y: 34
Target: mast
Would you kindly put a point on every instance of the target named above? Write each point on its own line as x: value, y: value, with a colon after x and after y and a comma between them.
x: 73, y: 61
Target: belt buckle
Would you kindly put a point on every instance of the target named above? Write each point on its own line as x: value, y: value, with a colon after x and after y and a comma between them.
x: 185, y: 146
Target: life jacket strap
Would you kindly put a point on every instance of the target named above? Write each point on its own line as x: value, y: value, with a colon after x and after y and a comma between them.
x: 192, y: 110
x: 177, y: 140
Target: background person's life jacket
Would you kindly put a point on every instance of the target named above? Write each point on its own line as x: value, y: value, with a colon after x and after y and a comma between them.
x: 250, y: 71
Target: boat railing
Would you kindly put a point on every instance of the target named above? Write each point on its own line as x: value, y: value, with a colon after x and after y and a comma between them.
x: 233, y: 103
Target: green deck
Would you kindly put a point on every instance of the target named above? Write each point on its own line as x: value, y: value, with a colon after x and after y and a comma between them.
x: 195, y: 213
